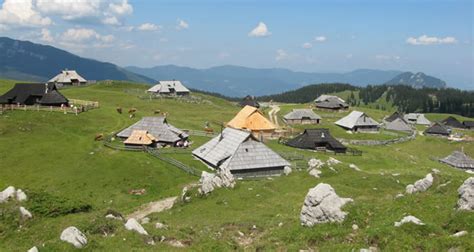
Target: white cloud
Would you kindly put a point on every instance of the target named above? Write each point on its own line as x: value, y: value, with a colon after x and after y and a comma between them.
x: 148, y: 27
x: 307, y: 45
x: 426, y: 40
x: 281, y: 55
x: 123, y: 8
x: 387, y: 57
x: 182, y: 25
x: 70, y: 9
x: 349, y: 56
x: 260, y: 31
x: 46, y: 35
x: 112, y: 20
x: 85, y: 35
x: 21, y: 13
x: 320, y: 39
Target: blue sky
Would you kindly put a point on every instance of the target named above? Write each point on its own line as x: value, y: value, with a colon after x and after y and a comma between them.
x: 435, y: 37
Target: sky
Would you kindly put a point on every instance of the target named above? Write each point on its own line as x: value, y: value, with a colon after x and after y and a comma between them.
x: 435, y: 37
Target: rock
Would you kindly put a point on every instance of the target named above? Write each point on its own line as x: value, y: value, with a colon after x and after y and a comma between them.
x: 333, y: 161
x: 20, y: 195
x: 74, y: 236
x: 466, y: 195
x: 7, y: 194
x: 435, y: 171
x: 33, y: 249
x: 370, y: 249
x: 287, y: 170
x: 145, y: 220
x: 315, y: 163
x: 459, y: 234
x: 420, y: 185
x: 322, y: 205
x: 210, y: 181
x: 355, y: 227
x: 133, y: 225
x: 399, y: 195
x: 470, y: 171
x: 280, y: 224
x: 353, y: 166
x: 160, y: 225
x: 176, y: 243
x: 315, y: 172
x: 113, y: 217
x: 226, y: 177
x: 25, y: 213
x: 184, y: 195
x: 408, y: 219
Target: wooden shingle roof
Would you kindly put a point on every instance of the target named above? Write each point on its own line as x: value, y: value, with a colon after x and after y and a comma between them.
x: 252, y: 119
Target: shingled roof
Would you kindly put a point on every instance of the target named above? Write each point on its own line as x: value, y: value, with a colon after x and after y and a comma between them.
x: 140, y: 137
x: 438, y: 129
x: 398, y: 124
x: 459, y: 159
x: 249, y: 101
x: 330, y: 102
x: 68, y: 76
x: 157, y: 127
x: 298, y: 114
x: 393, y: 116
x: 312, y: 138
x: 451, y: 121
x: 34, y: 93
x: 417, y: 118
x: 252, y: 119
x: 165, y: 87
x: 356, y: 119
x: 238, y: 150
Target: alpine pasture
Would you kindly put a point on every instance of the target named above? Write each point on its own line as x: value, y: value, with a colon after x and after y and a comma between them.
x: 73, y: 180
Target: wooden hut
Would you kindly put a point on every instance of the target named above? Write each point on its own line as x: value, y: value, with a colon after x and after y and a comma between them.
x: 249, y: 101
x: 169, y: 88
x: 330, y: 102
x: 34, y: 94
x: 398, y: 124
x: 68, y: 78
x: 459, y: 159
x: 241, y: 153
x: 140, y: 138
x: 250, y: 118
x: 302, y: 116
x: 317, y: 139
x: 417, y: 118
x: 438, y: 129
x: 452, y: 122
x: 468, y: 124
x: 358, y: 122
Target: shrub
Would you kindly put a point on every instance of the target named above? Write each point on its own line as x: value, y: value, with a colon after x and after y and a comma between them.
x: 49, y: 205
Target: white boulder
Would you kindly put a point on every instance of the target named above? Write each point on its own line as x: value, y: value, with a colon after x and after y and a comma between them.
x: 7, y: 194
x: 333, y: 161
x: 74, y: 236
x: 25, y: 213
x: 315, y: 163
x: 466, y: 195
x: 33, y: 249
x: 227, y: 179
x: 20, y: 195
x: 354, y: 167
x: 287, y: 170
x: 408, y: 219
x: 145, y: 220
x: 133, y: 225
x: 160, y: 225
x: 459, y: 234
x: 211, y: 181
x: 322, y: 205
x: 420, y: 185
x: 315, y: 172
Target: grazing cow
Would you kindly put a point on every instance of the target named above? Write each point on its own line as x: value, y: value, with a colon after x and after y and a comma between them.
x: 99, y: 137
x: 209, y: 131
x: 119, y: 110
x: 137, y: 191
x: 156, y: 112
x: 132, y: 110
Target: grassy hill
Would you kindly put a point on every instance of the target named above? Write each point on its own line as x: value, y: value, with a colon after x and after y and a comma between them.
x: 54, y: 158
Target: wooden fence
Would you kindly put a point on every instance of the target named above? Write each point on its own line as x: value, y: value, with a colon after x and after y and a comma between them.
x: 76, y: 107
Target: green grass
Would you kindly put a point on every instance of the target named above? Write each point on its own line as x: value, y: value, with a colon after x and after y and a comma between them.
x: 55, y: 156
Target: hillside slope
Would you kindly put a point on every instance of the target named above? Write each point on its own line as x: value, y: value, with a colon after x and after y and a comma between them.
x: 416, y: 80
x: 23, y: 60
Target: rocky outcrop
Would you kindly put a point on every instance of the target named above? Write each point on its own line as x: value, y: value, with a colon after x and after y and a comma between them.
x: 7, y: 194
x: 354, y: 167
x: 420, y: 185
x: 211, y: 181
x: 25, y: 214
x: 333, y: 161
x: 314, y: 166
x: 408, y: 219
x: 74, y: 236
x: 322, y: 205
x: 287, y: 170
x: 33, y: 249
x: 20, y: 195
x: 466, y: 195
x: 133, y: 225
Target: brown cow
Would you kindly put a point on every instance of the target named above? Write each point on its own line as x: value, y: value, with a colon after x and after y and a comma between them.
x: 99, y: 137
x: 119, y: 110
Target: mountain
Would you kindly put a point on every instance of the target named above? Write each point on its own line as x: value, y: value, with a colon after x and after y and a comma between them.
x: 418, y: 80
x: 23, y: 60
x: 240, y: 81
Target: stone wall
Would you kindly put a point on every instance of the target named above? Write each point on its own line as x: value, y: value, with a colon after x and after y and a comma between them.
x: 379, y: 142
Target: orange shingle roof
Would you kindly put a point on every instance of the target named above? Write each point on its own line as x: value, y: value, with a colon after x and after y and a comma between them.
x: 140, y: 137
x: 251, y: 118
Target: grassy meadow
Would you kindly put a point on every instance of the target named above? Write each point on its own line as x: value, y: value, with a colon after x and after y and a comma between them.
x: 72, y: 180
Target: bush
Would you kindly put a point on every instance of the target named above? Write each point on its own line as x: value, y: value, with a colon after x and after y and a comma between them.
x: 49, y: 205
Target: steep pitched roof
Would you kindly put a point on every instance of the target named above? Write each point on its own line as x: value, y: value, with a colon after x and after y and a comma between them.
x: 237, y: 150
x: 165, y: 86
x: 417, y: 118
x: 250, y: 118
x: 393, y: 116
x: 298, y: 114
x: 310, y: 137
x: 140, y: 137
x: 438, y: 129
x: 157, y: 127
x: 22, y: 93
x: 249, y: 101
x: 453, y: 122
x: 468, y: 124
x: 399, y: 124
x: 67, y: 76
x: 356, y: 119
x: 330, y: 102
x: 323, y: 97
x: 459, y: 159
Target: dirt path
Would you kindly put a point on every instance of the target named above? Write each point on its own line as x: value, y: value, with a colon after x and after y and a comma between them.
x: 153, y: 207
x: 273, y: 115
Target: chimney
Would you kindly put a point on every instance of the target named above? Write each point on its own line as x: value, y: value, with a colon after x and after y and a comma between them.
x: 46, y: 88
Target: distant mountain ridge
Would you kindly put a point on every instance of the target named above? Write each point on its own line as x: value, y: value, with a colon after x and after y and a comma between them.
x: 234, y: 81
x: 24, y: 60
x: 416, y: 80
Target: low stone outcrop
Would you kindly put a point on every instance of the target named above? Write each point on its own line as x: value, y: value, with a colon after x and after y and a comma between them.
x: 354, y: 167
x: 20, y: 195
x: 211, y: 181
x: 322, y: 205
x: 33, y: 249
x: 408, y: 219
x: 333, y: 161
x: 287, y: 170
x: 74, y: 236
x: 466, y: 195
x: 420, y: 185
x: 7, y: 194
x: 133, y: 225
x: 25, y: 214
